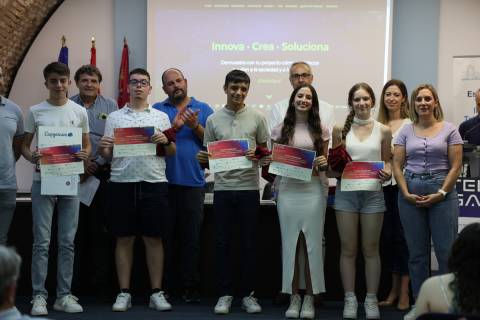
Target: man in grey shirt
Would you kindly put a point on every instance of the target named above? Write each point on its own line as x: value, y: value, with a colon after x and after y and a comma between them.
x: 236, y: 200
x: 11, y: 137
x: 93, y: 241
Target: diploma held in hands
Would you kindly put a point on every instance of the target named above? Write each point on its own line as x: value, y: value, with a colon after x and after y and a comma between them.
x: 226, y: 155
x: 57, y: 145
x: 134, y: 142
x: 292, y: 162
x: 362, y: 176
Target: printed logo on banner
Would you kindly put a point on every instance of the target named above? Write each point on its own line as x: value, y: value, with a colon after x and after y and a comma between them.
x: 468, y: 190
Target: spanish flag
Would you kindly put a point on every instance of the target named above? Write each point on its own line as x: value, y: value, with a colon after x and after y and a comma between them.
x: 123, y: 96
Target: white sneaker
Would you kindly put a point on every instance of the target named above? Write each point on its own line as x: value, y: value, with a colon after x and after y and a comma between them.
x: 293, y: 311
x: 123, y: 302
x: 39, y: 307
x: 350, y: 307
x: 371, y: 308
x: 67, y: 304
x: 223, y: 305
x: 250, y: 304
x: 159, y: 302
x: 411, y: 315
x: 308, y: 307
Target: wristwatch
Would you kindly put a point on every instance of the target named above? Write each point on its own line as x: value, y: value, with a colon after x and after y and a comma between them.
x: 443, y: 192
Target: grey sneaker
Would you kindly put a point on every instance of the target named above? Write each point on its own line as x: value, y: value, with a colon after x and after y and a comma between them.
x: 123, y: 302
x: 250, y: 304
x: 159, y: 302
x: 67, y: 304
x: 223, y: 305
x: 308, y: 308
x: 39, y: 306
x: 293, y: 311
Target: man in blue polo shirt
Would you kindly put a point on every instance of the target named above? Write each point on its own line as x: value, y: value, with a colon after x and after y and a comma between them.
x: 470, y: 129
x: 185, y: 177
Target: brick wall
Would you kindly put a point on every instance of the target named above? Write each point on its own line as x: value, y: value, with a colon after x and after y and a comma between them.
x: 20, y: 22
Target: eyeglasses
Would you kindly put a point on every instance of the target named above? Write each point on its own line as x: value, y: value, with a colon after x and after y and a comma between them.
x: 142, y: 83
x: 297, y: 76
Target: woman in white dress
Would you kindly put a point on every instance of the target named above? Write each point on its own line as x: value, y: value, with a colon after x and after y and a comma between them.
x: 393, y: 112
x: 301, y: 204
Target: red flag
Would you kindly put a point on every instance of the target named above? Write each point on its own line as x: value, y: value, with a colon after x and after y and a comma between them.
x: 93, y: 53
x: 123, y: 96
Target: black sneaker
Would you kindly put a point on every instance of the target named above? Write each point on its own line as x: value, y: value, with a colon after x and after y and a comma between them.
x: 191, y: 296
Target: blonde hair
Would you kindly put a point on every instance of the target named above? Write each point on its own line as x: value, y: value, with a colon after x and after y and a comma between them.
x: 437, y: 112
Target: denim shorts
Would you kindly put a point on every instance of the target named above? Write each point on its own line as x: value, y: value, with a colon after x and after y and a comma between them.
x: 359, y: 201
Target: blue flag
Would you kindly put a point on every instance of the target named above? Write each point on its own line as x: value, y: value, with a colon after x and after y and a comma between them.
x: 63, y: 55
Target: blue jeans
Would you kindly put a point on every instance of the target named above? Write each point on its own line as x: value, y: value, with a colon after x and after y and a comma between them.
x: 440, y: 221
x: 42, y: 214
x: 8, y: 201
x: 231, y: 210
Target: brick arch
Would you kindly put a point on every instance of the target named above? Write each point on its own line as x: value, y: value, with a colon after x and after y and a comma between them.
x: 21, y: 22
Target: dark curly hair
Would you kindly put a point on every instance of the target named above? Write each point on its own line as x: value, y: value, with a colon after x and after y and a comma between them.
x: 464, y: 263
x: 314, y: 127
x: 351, y: 115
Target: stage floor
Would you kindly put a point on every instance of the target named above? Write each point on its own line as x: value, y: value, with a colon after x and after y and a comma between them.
x: 203, y: 310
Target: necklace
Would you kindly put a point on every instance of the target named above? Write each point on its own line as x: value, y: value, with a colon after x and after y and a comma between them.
x: 362, y: 122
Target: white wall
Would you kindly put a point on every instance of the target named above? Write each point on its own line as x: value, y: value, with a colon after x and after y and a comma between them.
x: 78, y: 21
x: 459, y: 35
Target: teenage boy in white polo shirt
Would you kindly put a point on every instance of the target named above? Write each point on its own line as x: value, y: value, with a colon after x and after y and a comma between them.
x: 56, y: 111
x: 236, y: 196
x: 138, y: 192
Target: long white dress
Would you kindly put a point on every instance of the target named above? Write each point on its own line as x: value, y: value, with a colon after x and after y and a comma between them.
x: 301, y: 207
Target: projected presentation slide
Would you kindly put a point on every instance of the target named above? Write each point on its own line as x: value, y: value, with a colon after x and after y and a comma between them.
x: 344, y: 41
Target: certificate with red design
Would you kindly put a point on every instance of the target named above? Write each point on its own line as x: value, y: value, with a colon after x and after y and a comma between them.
x: 226, y: 155
x: 292, y: 162
x: 57, y: 146
x: 362, y: 176
x: 134, y: 142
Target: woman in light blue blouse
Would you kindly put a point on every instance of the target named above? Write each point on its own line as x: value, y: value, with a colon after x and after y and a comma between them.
x: 430, y: 151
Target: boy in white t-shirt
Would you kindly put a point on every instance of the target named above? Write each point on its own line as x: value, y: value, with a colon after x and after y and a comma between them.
x: 56, y: 111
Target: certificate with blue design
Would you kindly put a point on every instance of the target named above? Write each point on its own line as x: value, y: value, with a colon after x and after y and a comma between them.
x: 226, y: 155
x: 57, y: 146
x: 292, y: 162
x: 362, y: 176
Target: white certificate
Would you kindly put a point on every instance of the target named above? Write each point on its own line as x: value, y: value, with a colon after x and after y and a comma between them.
x: 57, y: 145
x: 226, y: 155
x: 361, y: 176
x: 88, y: 189
x: 60, y: 185
x: 134, y: 142
x: 292, y: 162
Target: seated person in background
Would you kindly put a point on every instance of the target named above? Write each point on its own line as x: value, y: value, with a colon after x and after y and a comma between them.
x: 470, y: 129
x: 458, y: 291
x: 10, y: 263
